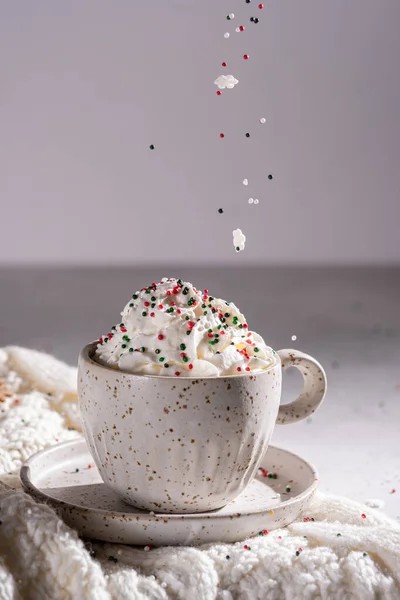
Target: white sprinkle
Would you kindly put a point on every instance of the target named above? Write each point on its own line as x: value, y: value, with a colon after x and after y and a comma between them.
x: 256, y: 200
x: 263, y: 120
x: 152, y: 513
x: 119, y: 552
x: 239, y: 240
x: 146, y: 548
x: 245, y: 182
x: 375, y: 503
x: 231, y: 15
x: 237, y: 29
x: 226, y: 35
x: 226, y: 81
x: 251, y: 200
x: 294, y: 338
x: 163, y: 584
x: 29, y: 511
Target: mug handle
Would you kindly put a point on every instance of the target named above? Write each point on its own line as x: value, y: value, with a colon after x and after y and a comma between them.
x: 314, y: 388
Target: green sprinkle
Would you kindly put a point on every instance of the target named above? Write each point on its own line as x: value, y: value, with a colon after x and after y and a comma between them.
x: 209, y: 330
x: 188, y: 332
x: 273, y: 352
x: 182, y: 347
x: 144, y: 314
x: 113, y: 559
x: 256, y: 349
x: 338, y: 534
x: 204, y: 306
x: 123, y: 346
x: 161, y: 359
x: 121, y: 325
x: 187, y: 318
x: 211, y: 298
x: 185, y: 359
x: 288, y: 488
x: 205, y: 312
x: 157, y: 351
x: 131, y: 304
x: 240, y: 326
x: 153, y: 298
x: 142, y: 349
x: 77, y: 470
x: 185, y: 291
x: 147, y: 292
x: 219, y: 326
x: 130, y: 349
x: 211, y: 343
x: 135, y: 296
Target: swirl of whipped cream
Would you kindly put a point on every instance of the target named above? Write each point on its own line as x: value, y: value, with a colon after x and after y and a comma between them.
x: 170, y: 328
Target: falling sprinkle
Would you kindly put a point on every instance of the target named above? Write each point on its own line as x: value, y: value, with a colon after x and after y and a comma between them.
x: 294, y: 338
x: 220, y: 210
x: 226, y: 35
x: 219, y: 93
x: 239, y: 240
x: 221, y: 135
x: 76, y: 470
x: 263, y: 120
x: 260, y: 6
x: 247, y: 135
x: 246, y: 56
x: 270, y: 176
x: 224, y: 64
x: 226, y: 81
x: 256, y: 200
x: 254, y: 19
x: 240, y: 28
x: 152, y: 146
x: 250, y: 200
x: 245, y: 182
x: 230, y: 16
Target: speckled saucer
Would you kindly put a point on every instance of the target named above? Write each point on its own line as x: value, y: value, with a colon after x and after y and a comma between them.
x: 65, y: 476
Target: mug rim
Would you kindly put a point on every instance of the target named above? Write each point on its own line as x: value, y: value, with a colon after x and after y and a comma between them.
x: 86, y: 355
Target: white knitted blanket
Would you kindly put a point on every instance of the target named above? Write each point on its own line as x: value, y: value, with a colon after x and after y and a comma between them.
x: 339, y: 555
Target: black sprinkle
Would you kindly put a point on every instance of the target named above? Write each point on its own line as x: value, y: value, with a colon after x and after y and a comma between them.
x: 247, y: 135
x: 364, y: 554
x: 270, y: 176
x: 338, y: 534
x: 227, y: 557
x: 220, y: 210
x: 297, y: 553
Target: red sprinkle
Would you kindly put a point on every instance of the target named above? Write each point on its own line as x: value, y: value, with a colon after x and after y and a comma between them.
x: 182, y: 354
x: 100, y: 340
x: 17, y: 401
x: 246, y: 547
x: 178, y: 310
x: 152, y: 314
x: 89, y: 466
x: 222, y: 332
x: 265, y: 531
x: 246, y: 56
x: 169, y: 292
x: 122, y: 329
x: 238, y: 369
x: 190, y: 366
x: 363, y: 516
x: 160, y: 306
x: 260, y: 6
x: 177, y: 373
x: 247, y: 368
x: 206, y: 291
x: 393, y: 491
x: 153, y: 284
x: 279, y: 537
x: 241, y: 28
x: 173, y: 304
x: 300, y: 549
x: 221, y: 135
x: 210, y: 335
x: 224, y: 64
x: 219, y: 93
x: 160, y: 336
x: 146, y: 303
x: 109, y: 335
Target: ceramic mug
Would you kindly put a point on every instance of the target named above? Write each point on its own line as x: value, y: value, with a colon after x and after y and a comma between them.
x: 185, y: 444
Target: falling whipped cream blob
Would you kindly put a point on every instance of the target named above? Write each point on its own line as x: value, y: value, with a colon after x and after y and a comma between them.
x: 239, y: 240
x: 226, y: 81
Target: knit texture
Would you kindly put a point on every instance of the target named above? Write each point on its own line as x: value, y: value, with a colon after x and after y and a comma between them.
x: 339, y: 555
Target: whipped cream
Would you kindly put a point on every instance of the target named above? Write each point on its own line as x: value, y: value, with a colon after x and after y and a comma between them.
x: 170, y: 328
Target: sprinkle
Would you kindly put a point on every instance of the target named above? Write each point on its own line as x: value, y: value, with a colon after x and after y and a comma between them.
x: 226, y: 35
x: 144, y: 314
x: 177, y: 373
x: 294, y: 338
x: 365, y: 554
x: 160, y: 336
x: 221, y: 135
x: 147, y: 548
x: 255, y: 200
x: 297, y: 553
x: 270, y: 176
x: 190, y: 366
x: 135, y: 296
x: 146, y: 303
x: 254, y: 19
x: 263, y: 120
x: 182, y: 346
x: 363, y: 516
x: 166, y: 365
x: 288, y: 488
x: 240, y: 28
x: 260, y: 6
x: 271, y: 512
x: 130, y: 349
x: 161, y: 359
x: 338, y: 535
x: 152, y: 146
x: 246, y: 56
x: 227, y: 557
x: 250, y: 200
x: 219, y: 93
x: 230, y: 16
x: 90, y: 466
x: 220, y: 210
x: 246, y: 547
x: 76, y: 470
x: 247, y: 135
x: 113, y: 559
x: 393, y: 491
x: 245, y: 182
x: 160, y: 306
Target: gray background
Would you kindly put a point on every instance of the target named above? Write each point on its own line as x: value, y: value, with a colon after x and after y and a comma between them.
x: 86, y: 86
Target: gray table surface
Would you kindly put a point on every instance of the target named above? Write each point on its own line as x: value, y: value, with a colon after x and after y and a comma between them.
x: 349, y: 319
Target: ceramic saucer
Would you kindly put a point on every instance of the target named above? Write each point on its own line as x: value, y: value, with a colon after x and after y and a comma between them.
x: 66, y: 477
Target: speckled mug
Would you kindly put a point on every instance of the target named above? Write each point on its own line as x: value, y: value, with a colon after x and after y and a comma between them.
x: 183, y: 444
